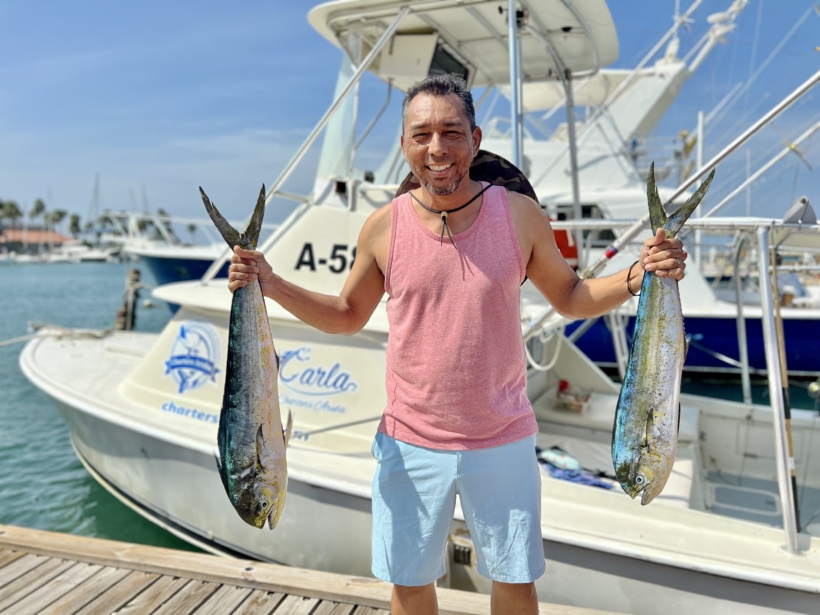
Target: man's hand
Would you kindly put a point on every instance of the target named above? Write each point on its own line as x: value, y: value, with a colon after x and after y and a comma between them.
x: 666, y: 257
x: 249, y: 265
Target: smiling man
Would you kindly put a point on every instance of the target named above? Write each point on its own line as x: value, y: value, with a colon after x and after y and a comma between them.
x: 451, y: 256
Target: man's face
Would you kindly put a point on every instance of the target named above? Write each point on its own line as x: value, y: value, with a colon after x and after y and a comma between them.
x: 437, y: 142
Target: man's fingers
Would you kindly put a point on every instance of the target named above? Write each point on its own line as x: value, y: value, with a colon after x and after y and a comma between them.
x: 676, y: 272
x: 244, y: 266
x: 247, y: 254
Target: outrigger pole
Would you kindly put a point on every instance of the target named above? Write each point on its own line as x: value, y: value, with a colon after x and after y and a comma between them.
x: 297, y: 157
x: 642, y: 223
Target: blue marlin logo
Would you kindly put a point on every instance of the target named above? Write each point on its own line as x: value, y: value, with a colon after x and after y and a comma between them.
x: 194, y: 354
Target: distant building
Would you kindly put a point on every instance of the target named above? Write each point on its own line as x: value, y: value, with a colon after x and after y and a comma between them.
x: 28, y: 240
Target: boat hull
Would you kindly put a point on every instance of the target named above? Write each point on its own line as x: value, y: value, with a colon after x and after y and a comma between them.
x: 327, y: 529
x: 718, y: 335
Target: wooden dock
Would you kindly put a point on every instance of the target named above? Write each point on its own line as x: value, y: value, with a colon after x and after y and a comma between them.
x: 48, y: 573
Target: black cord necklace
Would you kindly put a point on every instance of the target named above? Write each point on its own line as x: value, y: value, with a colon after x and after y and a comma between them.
x: 444, y: 214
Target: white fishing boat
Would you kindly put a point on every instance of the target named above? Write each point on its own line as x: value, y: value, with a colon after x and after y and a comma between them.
x: 142, y: 409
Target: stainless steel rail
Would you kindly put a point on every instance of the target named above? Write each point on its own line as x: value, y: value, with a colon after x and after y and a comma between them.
x: 784, y: 462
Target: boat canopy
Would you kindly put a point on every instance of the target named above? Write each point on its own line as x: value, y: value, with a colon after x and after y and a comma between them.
x: 470, y: 37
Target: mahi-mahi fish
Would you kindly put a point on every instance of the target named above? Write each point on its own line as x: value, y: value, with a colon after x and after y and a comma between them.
x: 250, y: 437
x: 647, y: 418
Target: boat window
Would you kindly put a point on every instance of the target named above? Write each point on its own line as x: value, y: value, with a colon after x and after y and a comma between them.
x: 445, y: 63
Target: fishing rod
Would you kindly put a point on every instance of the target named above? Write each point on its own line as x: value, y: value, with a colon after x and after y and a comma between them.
x: 641, y: 224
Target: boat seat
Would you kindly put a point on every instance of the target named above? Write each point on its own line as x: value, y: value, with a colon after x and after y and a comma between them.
x: 599, y: 414
x: 597, y: 457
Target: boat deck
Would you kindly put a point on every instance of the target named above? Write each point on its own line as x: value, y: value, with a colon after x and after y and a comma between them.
x: 47, y: 573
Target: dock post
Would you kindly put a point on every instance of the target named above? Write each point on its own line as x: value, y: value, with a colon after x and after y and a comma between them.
x: 776, y: 394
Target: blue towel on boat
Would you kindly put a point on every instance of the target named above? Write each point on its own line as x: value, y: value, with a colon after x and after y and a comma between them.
x: 560, y: 464
x: 578, y: 476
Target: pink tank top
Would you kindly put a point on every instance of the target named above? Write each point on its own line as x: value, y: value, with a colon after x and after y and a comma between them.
x: 456, y: 369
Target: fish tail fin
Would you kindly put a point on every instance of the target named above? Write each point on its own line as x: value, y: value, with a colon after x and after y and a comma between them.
x: 657, y: 215
x: 289, y: 429
x: 677, y: 219
x: 250, y: 237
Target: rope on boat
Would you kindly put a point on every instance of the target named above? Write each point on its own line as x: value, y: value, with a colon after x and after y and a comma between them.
x: 544, y: 337
x: 18, y: 340
x: 45, y: 330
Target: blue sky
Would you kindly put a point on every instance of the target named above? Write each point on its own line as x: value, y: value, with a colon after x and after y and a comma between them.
x: 171, y: 95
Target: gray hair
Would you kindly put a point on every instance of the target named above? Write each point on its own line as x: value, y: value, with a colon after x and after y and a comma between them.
x: 441, y: 85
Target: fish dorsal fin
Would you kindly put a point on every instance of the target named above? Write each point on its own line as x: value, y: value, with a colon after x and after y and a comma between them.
x: 677, y: 219
x: 657, y: 215
x: 232, y: 237
x: 289, y: 429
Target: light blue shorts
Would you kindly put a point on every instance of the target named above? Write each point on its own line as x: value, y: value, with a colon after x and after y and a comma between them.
x: 414, y: 498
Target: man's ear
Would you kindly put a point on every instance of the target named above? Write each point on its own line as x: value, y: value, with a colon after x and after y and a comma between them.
x: 477, y: 140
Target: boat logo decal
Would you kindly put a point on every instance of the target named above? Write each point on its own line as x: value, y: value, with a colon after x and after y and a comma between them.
x: 313, y: 379
x: 194, y: 355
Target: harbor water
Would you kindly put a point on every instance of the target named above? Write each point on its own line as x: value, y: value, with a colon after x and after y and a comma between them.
x: 42, y: 484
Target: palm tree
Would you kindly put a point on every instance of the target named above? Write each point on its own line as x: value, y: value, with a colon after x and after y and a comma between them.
x: 11, y: 211
x: 74, y: 225
x: 38, y: 209
x: 192, y: 230
x: 57, y: 216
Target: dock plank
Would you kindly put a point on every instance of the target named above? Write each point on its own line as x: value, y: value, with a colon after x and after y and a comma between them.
x: 32, y: 581
x: 19, y: 567
x: 367, y: 610
x: 260, y: 603
x: 216, y: 571
x: 334, y: 608
x: 118, y: 595
x: 187, y: 599
x: 7, y: 557
x: 85, y: 592
x: 296, y: 605
x: 57, y: 587
x: 154, y: 596
x: 224, y: 600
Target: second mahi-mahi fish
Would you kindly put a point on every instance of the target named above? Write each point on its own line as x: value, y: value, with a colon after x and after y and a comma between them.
x: 250, y: 438
x: 647, y: 419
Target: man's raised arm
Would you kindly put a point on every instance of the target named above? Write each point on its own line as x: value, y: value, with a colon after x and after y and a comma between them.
x: 346, y: 313
x: 555, y: 279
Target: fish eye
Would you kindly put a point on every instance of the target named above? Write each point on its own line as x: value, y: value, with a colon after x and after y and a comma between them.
x: 639, y: 479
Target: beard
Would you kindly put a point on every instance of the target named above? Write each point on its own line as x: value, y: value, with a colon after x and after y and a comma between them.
x: 439, y: 190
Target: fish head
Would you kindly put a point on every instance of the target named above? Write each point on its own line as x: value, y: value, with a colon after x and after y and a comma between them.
x: 258, y: 497
x: 273, y: 497
x: 635, y: 477
x: 646, y: 475
x: 660, y: 467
